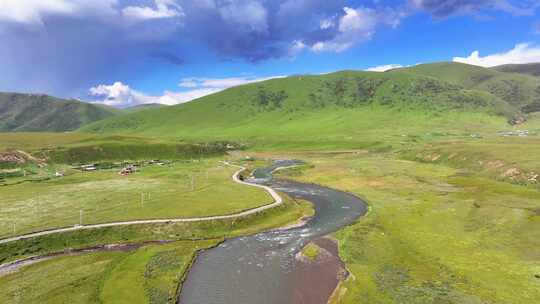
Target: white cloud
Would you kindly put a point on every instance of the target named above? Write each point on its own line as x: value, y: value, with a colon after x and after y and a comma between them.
x: 327, y: 23
x: 164, y: 9
x: 384, y: 68
x: 32, y: 12
x: 355, y: 26
x: 521, y: 53
x: 121, y: 95
x: 296, y: 47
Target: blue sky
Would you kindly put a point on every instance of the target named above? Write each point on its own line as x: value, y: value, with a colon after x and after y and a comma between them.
x: 127, y: 52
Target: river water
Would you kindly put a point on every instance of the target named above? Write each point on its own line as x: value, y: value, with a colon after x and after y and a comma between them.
x: 260, y: 268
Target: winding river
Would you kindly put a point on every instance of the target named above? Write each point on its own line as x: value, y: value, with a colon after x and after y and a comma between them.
x: 262, y: 268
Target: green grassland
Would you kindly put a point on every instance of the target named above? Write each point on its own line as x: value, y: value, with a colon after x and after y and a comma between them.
x: 288, y: 213
x: 455, y: 206
x: 39, y: 140
x: 105, y: 196
x: 150, y: 274
x: 437, y: 232
x: 77, y: 148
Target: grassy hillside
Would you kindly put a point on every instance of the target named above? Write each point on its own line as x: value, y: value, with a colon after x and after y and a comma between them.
x: 31, y: 112
x: 519, y: 90
x: 142, y: 107
x: 532, y: 69
x: 342, y: 107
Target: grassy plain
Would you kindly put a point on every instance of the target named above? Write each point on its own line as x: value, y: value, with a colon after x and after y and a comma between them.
x: 180, y: 189
x: 150, y: 274
x: 439, y: 231
x: 283, y: 215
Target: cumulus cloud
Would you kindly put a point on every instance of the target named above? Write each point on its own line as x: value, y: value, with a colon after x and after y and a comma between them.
x: 355, y: 26
x: 445, y: 8
x: 164, y: 9
x: 119, y: 95
x: 384, y: 68
x: 122, y: 96
x: 521, y: 53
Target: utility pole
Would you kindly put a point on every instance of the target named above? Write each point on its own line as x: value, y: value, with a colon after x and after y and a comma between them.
x: 142, y: 199
x: 14, y: 230
x: 81, y: 217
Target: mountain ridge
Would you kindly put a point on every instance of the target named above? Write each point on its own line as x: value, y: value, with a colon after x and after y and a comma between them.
x: 40, y: 112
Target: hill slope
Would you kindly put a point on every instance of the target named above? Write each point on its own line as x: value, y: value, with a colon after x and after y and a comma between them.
x: 519, y: 90
x: 31, y: 112
x: 143, y: 107
x: 532, y: 69
x: 338, y: 106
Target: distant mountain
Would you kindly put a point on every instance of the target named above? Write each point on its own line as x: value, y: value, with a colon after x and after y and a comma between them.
x: 333, y: 106
x: 532, y: 69
x: 37, y: 112
x: 142, y: 107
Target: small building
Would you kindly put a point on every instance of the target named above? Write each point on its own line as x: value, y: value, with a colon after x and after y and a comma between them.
x: 127, y: 170
x: 59, y: 174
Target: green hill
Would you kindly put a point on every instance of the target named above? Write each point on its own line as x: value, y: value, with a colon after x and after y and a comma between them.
x: 519, y: 90
x: 532, y: 69
x: 142, y: 107
x: 33, y: 112
x: 342, y: 106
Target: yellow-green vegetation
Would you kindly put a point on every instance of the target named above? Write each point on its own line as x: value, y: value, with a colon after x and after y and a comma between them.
x: 311, y: 251
x: 177, y: 190
x: 31, y: 141
x: 150, y: 274
x: 436, y: 233
x: 511, y: 159
x: 455, y: 207
x: 285, y: 214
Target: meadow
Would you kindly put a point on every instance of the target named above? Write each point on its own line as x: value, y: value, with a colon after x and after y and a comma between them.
x: 150, y: 274
x: 438, y: 231
x: 177, y: 190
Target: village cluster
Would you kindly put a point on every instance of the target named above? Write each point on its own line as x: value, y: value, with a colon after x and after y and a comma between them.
x: 126, y: 167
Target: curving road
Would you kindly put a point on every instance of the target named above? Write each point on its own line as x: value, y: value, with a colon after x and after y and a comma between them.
x: 277, y: 201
